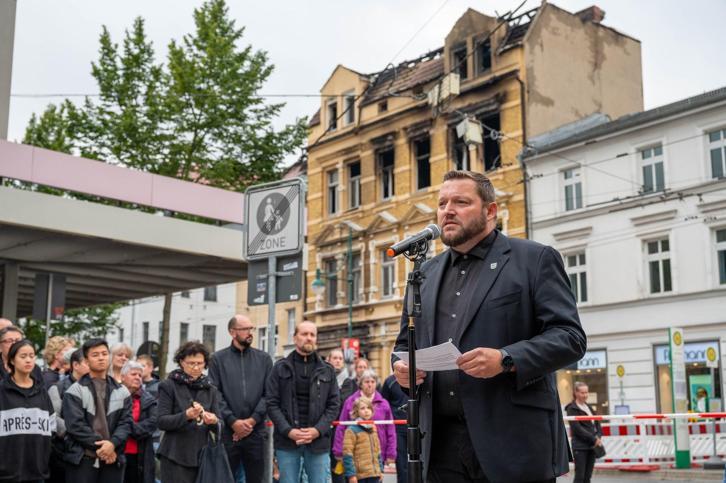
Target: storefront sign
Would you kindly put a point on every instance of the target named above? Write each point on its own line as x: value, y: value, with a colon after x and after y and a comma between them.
x: 680, y: 396
x: 693, y: 353
x: 593, y: 360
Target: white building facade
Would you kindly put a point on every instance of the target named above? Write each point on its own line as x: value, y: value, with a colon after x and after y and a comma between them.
x: 637, y: 208
x: 200, y: 314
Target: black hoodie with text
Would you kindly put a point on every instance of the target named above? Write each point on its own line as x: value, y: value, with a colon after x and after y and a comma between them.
x: 27, y: 423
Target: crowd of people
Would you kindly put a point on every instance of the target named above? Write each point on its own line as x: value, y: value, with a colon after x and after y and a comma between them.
x: 96, y: 413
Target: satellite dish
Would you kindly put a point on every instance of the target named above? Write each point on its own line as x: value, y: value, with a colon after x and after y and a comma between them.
x: 152, y: 349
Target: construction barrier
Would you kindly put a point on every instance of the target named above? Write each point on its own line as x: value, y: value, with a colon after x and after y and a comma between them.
x: 647, y: 439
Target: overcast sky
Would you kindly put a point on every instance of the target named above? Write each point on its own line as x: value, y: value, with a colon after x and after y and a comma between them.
x: 56, y: 41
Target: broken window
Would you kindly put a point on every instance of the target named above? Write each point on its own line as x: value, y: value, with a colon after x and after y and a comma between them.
x: 332, y: 115
x: 459, y: 152
x: 458, y: 62
x: 385, y: 166
x: 382, y: 106
x: 492, y: 152
x: 422, y: 154
x: 349, y: 109
x: 484, y: 56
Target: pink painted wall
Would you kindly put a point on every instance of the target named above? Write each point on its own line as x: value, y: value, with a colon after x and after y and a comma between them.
x: 50, y: 168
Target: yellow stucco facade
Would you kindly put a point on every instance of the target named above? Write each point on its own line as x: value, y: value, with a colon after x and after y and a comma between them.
x: 376, y: 173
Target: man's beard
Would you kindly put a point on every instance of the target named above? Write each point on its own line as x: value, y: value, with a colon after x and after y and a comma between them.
x: 467, y: 232
x: 244, y: 341
x: 307, y: 348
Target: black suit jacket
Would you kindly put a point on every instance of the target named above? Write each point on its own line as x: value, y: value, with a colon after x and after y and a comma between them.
x: 523, y: 303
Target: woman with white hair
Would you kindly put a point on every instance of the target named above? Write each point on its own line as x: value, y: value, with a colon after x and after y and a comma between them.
x: 139, y: 448
x: 120, y: 354
x: 381, y: 411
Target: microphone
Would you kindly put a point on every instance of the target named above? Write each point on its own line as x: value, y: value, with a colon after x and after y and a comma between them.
x: 431, y: 232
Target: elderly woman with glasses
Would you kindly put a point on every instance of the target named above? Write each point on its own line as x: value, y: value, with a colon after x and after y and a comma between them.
x: 381, y: 411
x: 188, y: 409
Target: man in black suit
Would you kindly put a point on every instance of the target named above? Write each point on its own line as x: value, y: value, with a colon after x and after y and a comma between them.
x: 507, y: 305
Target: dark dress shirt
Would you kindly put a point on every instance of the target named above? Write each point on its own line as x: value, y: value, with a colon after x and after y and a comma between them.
x: 453, y: 299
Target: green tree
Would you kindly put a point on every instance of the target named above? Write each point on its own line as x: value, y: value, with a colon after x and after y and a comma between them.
x: 79, y: 324
x: 198, y: 117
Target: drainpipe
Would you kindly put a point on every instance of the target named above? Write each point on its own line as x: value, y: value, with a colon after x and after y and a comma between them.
x: 523, y: 165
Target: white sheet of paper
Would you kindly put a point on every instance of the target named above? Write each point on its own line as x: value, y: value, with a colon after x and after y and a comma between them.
x: 440, y: 357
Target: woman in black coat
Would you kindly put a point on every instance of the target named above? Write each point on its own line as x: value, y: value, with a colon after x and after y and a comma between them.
x: 188, y: 409
x: 585, y: 434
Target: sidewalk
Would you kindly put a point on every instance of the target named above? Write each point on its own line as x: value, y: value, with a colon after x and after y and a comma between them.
x: 612, y: 475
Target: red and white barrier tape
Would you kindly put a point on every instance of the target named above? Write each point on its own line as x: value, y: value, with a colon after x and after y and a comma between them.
x: 609, y: 417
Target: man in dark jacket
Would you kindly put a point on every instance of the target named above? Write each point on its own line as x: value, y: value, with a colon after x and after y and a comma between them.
x: 139, y: 450
x: 302, y: 401
x: 585, y: 434
x: 239, y: 372
x: 78, y: 369
x: 97, y: 413
x: 507, y: 305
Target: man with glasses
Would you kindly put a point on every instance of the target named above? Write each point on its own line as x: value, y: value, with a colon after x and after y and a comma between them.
x: 239, y: 372
x: 9, y: 335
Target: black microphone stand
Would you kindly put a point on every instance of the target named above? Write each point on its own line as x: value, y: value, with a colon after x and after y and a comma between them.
x: 416, y: 253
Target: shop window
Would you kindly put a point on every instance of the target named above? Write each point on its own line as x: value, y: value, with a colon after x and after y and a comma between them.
x: 699, y: 377
x: 592, y: 370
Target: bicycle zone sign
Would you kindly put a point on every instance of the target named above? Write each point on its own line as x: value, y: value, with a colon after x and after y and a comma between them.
x: 274, y: 219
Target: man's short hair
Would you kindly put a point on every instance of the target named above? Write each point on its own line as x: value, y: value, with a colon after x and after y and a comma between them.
x: 91, y: 344
x: 131, y: 366
x: 484, y: 186
x: 297, y: 326
x: 145, y: 357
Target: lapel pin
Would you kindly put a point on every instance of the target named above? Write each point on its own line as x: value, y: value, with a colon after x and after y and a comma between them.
x: 493, y: 266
